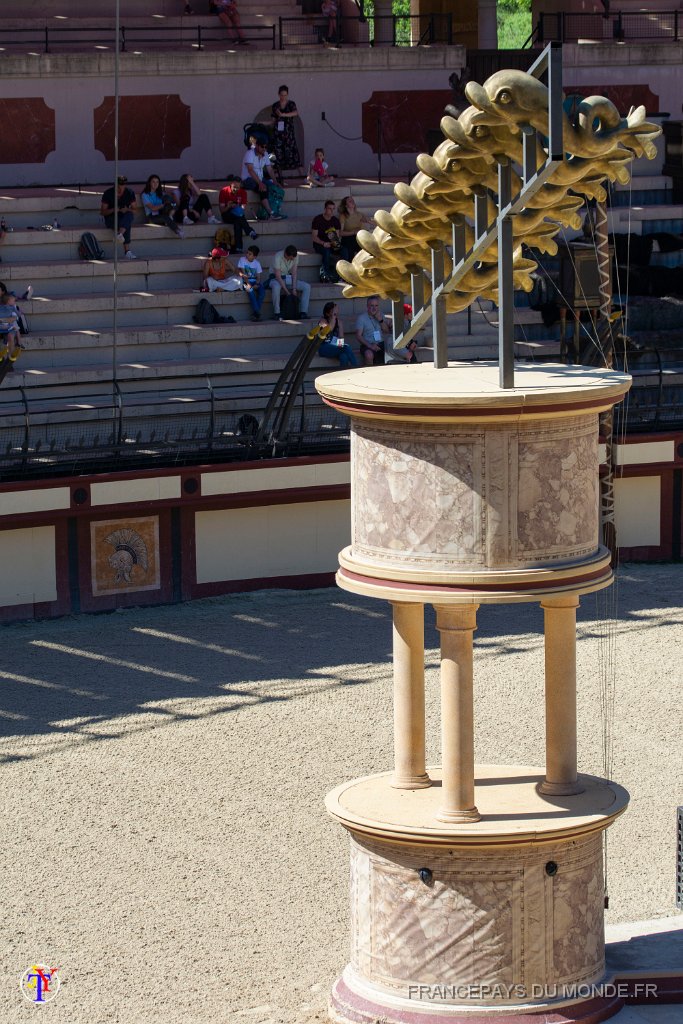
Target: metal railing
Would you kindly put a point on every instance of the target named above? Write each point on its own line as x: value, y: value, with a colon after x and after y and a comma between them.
x: 387, y: 30
x: 617, y: 26
x: 143, y: 422
x: 197, y: 37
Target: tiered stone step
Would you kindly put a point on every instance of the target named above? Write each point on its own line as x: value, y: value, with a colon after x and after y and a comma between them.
x: 71, y: 347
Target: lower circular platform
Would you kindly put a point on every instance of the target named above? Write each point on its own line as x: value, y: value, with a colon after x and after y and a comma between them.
x: 498, y: 916
x: 508, y: 797
x: 354, y: 1002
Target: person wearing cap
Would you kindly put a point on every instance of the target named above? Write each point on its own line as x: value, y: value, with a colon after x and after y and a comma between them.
x: 219, y: 273
x: 123, y: 199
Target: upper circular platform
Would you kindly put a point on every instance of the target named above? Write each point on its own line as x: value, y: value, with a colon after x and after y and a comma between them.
x: 513, y: 810
x: 466, y: 390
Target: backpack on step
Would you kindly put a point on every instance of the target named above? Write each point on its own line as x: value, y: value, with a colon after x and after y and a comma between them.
x: 89, y: 248
x: 205, y: 313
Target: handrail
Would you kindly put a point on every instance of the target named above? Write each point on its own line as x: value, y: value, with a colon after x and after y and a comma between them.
x: 434, y: 28
x: 609, y: 26
x: 196, y: 37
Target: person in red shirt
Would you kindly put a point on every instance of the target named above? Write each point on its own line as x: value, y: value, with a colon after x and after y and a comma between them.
x: 232, y: 202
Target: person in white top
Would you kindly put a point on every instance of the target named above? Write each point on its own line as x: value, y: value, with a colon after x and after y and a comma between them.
x: 256, y: 170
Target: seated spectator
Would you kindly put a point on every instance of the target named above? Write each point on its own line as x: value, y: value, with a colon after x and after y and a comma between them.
x: 372, y: 330
x: 159, y: 205
x: 319, y: 171
x: 122, y: 199
x: 285, y: 281
x: 232, y: 202
x: 219, y: 274
x: 251, y: 271
x: 256, y: 174
x: 192, y: 203
x: 10, y: 345
x: 333, y: 346
x: 227, y: 13
x: 326, y: 236
x: 352, y: 220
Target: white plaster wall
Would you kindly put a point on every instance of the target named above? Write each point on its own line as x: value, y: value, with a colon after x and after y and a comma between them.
x: 28, y: 565
x: 275, y: 540
x: 334, y: 82
x: 638, y: 506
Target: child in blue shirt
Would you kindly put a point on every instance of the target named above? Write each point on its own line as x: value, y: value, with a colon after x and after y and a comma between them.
x: 9, y: 328
x: 251, y: 271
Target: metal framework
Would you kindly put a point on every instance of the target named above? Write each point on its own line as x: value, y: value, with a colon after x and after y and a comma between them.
x: 485, y: 234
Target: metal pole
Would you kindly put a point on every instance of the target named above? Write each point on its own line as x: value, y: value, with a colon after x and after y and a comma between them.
x: 506, y: 328
x: 439, y: 325
x: 379, y: 150
x: 116, y: 202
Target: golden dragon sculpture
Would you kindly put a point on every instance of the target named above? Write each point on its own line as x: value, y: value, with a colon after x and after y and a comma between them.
x: 598, y: 142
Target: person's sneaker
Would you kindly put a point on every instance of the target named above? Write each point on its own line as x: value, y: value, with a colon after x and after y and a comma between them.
x: 212, y: 220
x: 253, y: 235
x: 187, y: 220
x: 278, y: 216
x: 276, y: 316
x: 130, y: 255
x: 28, y: 293
x: 242, y: 42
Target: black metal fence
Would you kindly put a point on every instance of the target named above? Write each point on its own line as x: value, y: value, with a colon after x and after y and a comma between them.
x: 620, y: 27
x: 310, y: 30
x: 387, y: 30
x: 163, y: 37
x: 126, y: 424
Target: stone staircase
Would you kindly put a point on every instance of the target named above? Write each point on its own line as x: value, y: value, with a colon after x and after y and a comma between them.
x: 164, y: 360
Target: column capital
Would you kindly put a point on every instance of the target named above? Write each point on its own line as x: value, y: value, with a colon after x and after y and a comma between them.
x: 561, y: 601
x: 456, y: 616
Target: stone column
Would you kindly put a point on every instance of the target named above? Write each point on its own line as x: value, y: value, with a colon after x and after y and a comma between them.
x: 488, y: 25
x: 456, y: 625
x: 560, y: 696
x: 409, y: 698
x: 383, y: 24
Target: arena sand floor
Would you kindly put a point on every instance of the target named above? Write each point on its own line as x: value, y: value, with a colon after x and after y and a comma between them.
x: 163, y: 770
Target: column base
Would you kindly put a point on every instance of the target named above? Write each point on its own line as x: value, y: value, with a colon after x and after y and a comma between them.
x: 459, y: 817
x: 352, y: 1002
x: 411, y: 782
x: 560, y: 788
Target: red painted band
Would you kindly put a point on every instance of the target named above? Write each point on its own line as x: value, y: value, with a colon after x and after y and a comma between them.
x: 489, y: 588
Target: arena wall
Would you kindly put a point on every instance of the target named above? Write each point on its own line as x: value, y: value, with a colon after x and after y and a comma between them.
x: 103, y: 542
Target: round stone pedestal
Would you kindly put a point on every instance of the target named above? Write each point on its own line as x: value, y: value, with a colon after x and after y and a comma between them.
x: 475, y: 892
x: 501, y: 917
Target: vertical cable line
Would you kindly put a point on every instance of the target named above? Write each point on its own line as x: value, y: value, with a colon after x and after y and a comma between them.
x: 117, y: 20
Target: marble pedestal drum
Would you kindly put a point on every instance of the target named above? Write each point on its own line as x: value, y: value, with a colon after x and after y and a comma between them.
x: 476, y: 891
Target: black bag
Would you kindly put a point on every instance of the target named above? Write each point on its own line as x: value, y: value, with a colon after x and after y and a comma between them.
x: 23, y: 323
x: 89, y: 247
x: 205, y: 313
x: 289, y: 307
x: 255, y: 130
